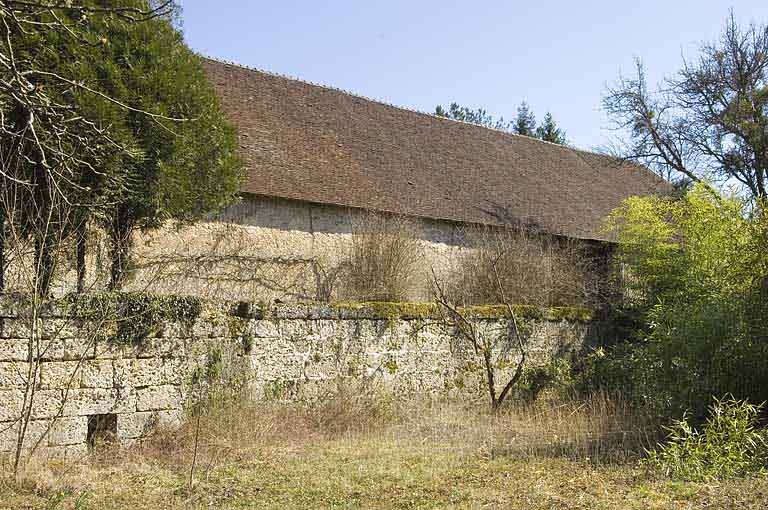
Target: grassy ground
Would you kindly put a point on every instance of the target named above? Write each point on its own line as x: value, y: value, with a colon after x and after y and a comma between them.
x: 364, y: 453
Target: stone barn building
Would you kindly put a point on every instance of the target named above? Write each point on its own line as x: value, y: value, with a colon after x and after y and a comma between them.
x: 319, y: 158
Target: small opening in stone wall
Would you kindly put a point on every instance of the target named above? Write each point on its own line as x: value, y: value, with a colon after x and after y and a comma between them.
x: 102, y: 428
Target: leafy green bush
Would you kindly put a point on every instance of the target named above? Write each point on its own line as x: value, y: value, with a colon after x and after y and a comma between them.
x: 614, y: 368
x: 137, y: 316
x: 695, y: 270
x: 553, y: 379
x: 730, y: 445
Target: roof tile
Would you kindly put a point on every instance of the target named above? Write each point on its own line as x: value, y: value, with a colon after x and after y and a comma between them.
x: 307, y: 142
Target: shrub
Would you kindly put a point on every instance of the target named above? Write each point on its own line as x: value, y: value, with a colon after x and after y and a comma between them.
x: 352, y: 406
x: 384, y: 259
x: 552, y: 380
x: 699, y: 289
x: 137, y: 315
x: 627, y: 368
x: 534, y: 269
x: 729, y: 445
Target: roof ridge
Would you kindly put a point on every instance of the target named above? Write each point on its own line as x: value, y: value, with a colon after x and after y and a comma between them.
x: 392, y: 105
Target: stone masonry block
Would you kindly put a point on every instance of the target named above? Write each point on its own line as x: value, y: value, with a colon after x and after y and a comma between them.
x: 158, y: 347
x: 155, y: 398
x: 13, y: 374
x: 56, y: 375
x: 53, y: 329
x: 170, y: 418
x: 174, y: 370
x: 327, y: 328
x: 13, y: 349
x: 10, y: 404
x: 35, y: 432
x: 68, y: 431
x: 98, y: 374
x: 139, y: 372
x: 324, y: 367
x: 208, y: 329
x: 294, y: 328
x: 68, y: 349
x: 14, y: 328
x: 262, y: 328
x: 268, y: 366
x: 107, y: 349
x: 46, y: 404
x: 90, y: 401
x: 176, y: 330
x: 135, y: 425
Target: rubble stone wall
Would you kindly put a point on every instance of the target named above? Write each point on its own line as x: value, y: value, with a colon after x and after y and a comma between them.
x: 288, y: 352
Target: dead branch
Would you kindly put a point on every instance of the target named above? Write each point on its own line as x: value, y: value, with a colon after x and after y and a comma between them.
x: 484, y: 345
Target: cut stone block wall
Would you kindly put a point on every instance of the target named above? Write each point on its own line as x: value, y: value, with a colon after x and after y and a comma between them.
x: 261, y: 248
x: 286, y: 352
x: 273, y: 248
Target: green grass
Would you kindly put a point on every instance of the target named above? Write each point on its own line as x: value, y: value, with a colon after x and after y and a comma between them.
x: 417, y: 457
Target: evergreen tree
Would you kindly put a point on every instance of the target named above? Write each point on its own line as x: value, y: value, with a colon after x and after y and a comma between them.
x: 188, y: 167
x: 525, y: 123
x: 128, y: 131
x: 550, y: 132
x: 478, y: 116
x: 54, y: 156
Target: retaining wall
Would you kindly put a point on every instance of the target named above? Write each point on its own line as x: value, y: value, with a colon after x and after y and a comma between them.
x: 137, y: 368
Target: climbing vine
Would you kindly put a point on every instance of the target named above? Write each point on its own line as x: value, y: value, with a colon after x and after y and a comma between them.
x: 135, y: 316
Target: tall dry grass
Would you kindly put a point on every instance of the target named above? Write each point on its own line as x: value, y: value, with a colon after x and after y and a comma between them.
x: 600, y: 429
x: 236, y: 438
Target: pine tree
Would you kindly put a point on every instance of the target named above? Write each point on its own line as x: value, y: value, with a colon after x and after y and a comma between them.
x: 525, y: 123
x: 550, y: 132
x: 478, y: 116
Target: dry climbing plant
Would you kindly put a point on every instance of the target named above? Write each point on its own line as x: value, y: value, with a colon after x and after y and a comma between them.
x: 534, y: 268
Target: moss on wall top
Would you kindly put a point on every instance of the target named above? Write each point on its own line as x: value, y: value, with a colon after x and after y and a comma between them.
x: 389, y: 310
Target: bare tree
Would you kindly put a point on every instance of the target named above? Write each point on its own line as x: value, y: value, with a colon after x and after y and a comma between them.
x: 484, y: 344
x: 3, y: 260
x: 26, y: 227
x: 42, y: 320
x: 710, y: 122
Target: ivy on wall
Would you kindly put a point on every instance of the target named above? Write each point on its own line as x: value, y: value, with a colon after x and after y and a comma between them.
x: 136, y: 316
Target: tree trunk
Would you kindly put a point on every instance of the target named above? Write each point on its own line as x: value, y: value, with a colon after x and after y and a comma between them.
x: 2, y: 250
x: 120, y: 232
x: 44, y: 262
x: 81, y: 234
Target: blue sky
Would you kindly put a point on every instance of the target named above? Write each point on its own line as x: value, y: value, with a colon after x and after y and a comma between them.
x: 557, y: 55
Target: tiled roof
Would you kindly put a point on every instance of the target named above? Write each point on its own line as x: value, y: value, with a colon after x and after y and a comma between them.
x: 313, y: 143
